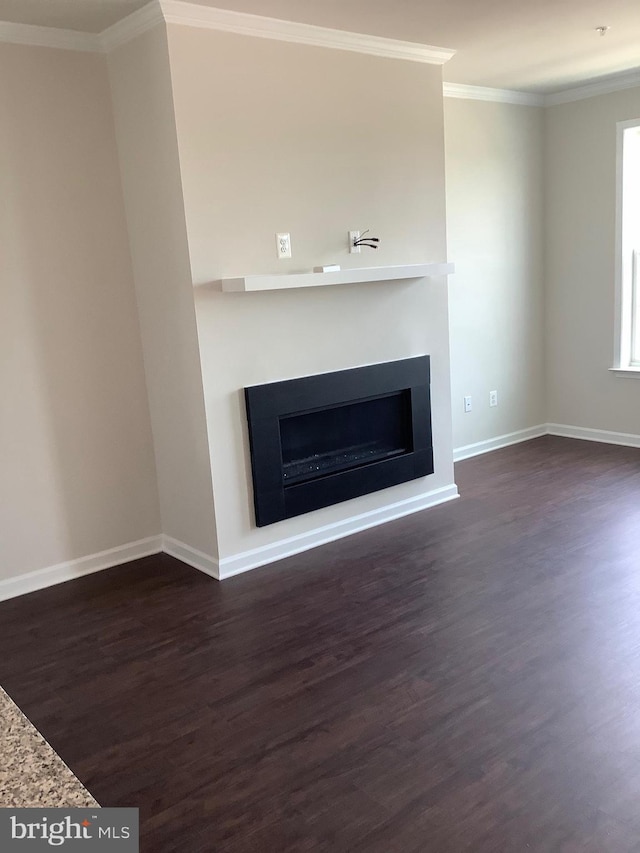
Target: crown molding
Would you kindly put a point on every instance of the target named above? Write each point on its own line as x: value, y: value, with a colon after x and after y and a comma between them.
x: 483, y: 93
x: 132, y: 26
x: 34, y: 36
x: 628, y: 80
x: 192, y: 15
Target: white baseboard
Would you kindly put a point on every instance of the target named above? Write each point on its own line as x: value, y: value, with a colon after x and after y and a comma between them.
x: 564, y: 430
x: 72, y: 569
x: 238, y: 563
x: 229, y: 566
x: 627, y: 439
x: 219, y: 569
x: 499, y: 441
x: 191, y: 556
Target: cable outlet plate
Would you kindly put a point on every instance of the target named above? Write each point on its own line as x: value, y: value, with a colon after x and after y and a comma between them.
x: 353, y: 236
x: 467, y: 404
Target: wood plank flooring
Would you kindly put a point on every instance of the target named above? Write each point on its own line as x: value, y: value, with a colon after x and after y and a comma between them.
x: 463, y: 679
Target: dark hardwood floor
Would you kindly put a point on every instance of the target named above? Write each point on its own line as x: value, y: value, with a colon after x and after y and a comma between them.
x: 466, y: 678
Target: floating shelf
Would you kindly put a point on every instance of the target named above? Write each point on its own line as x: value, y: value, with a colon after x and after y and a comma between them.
x: 249, y: 283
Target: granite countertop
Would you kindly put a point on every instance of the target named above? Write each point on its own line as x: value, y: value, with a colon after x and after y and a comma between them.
x: 32, y: 774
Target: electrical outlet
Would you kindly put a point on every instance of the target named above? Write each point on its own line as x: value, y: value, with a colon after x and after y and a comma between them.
x: 493, y: 398
x: 353, y: 236
x: 467, y: 404
x: 283, y: 245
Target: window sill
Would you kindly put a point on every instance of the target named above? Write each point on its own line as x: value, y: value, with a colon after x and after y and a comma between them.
x: 626, y: 372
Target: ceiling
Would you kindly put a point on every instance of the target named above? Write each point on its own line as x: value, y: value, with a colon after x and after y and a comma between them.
x: 539, y: 46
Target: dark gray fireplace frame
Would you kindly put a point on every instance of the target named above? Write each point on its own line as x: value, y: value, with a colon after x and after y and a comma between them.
x: 266, y: 404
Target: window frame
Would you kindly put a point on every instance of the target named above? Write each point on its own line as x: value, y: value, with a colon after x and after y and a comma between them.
x: 626, y: 360
x: 634, y: 356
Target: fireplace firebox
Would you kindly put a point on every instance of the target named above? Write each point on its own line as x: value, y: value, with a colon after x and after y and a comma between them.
x: 320, y: 440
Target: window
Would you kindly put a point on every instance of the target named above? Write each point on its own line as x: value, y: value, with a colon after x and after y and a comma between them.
x: 627, y: 355
x: 635, y: 312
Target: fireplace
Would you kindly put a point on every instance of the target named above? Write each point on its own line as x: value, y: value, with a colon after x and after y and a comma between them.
x: 320, y: 440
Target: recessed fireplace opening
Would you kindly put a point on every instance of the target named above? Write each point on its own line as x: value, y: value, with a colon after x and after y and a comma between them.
x: 323, y: 439
x: 340, y: 438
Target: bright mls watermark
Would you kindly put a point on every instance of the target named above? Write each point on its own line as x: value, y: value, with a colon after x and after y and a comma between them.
x: 26, y: 830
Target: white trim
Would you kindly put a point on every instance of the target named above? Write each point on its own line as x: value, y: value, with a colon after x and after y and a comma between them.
x: 132, y: 26
x: 469, y: 450
x: 500, y: 96
x: 626, y: 439
x: 72, y: 569
x: 194, y: 15
x: 227, y: 567
x: 35, y: 36
x: 626, y: 259
x: 618, y: 302
x: 634, y: 361
x: 242, y: 23
x: 191, y: 556
x: 626, y: 372
x: 238, y: 563
x: 628, y: 80
x: 564, y: 430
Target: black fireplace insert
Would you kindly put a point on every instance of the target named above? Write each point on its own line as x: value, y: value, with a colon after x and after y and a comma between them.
x: 323, y: 439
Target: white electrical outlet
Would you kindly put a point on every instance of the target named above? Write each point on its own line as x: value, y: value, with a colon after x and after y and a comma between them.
x: 467, y: 404
x: 493, y: 398
x: 283, y: 245
x: 353, y: 236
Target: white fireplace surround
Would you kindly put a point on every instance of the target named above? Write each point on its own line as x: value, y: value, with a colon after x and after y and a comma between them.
x: 209, y: 172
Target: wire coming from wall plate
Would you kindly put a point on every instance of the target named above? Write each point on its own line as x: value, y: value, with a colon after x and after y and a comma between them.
x: 371, y: 242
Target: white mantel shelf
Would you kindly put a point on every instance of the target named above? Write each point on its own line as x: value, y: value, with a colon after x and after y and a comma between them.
x: 249, y: 283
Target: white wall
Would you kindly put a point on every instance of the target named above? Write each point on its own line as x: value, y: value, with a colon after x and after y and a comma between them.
x: 76, y: 462
x: 316, y: 164
x: 206, y: 187
x: 494, y: 168
x: 145, y: 124
x: 580, y: 264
